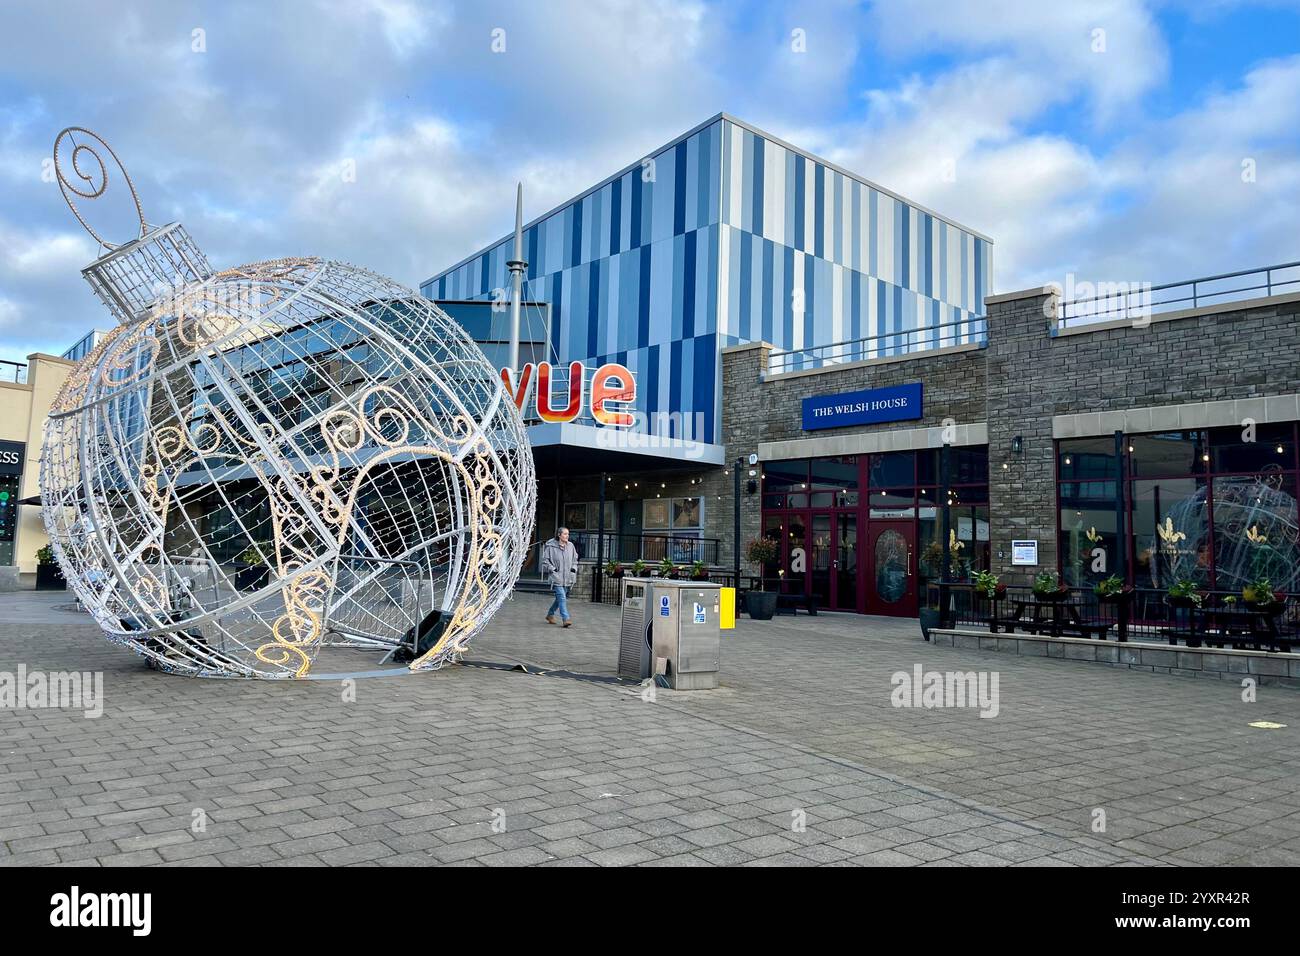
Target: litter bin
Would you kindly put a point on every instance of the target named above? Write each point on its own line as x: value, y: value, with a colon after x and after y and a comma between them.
x: 634, y: 632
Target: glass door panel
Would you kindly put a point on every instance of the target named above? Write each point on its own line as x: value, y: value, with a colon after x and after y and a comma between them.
x: 891, y: 576
x: 819, y: 567
x: 846, y: 563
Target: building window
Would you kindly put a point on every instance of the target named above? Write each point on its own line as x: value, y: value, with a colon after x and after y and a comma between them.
x: 657, y: 518
x: 885, y: 487
x: 1215, y: 506
x: 686, y: 513
x: 585, y: 516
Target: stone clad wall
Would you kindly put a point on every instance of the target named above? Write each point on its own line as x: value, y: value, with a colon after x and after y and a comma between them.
x: 1243, y: 351
x: 756, y: 410
x: 1025, y: 376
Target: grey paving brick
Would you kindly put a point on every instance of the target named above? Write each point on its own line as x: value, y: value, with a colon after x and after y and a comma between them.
x: 588, y: 774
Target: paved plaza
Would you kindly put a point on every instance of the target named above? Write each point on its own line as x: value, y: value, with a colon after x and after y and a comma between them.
x: 798, y: 758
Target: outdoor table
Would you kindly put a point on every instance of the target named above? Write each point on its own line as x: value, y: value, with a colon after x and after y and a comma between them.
x: 1053, y: 616
x: 1236, y: 626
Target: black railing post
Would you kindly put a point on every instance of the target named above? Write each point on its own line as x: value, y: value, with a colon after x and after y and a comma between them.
x: 598, y: 579
x: 736, y: 468
x: 945, y: 479
x: 1121, y: 537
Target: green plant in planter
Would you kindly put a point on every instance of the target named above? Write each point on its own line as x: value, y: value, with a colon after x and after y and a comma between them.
x: 1230, y: 600
x: 639, y: 568
x: 932, y: 559
x: 987, y: 584
x: 45, y: 555
x: 760, y: 552
x: 1048, y: 584
x: 1109, y: 587
x: 613, y: 569
x: 1185, y: 590
x: 699, y: 571
x: 251, y: 556
x: 1259, y: 592
x: 667, y: 569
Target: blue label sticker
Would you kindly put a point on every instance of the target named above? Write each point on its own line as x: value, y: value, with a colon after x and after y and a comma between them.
x: 699, y: 614
x: 663, y: 606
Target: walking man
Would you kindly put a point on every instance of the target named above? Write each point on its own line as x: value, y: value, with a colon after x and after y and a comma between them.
x: 560, y: 567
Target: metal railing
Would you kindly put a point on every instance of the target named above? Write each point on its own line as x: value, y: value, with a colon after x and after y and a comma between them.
x: 1142, y: 614
x: 11, y: 371
x: 1137, y: 301
x: 651, y: 548
x: 906, y: 342
x: 385, y: 621
x: 608, y: 588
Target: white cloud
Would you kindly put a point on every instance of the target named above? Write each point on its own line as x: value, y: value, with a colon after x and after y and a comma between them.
x: 28, y: 256
x: 248, y: 148
x: 1112, y: 49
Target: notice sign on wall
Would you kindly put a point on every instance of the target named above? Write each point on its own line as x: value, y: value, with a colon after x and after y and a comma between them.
x: 1025, y: 553
x: 870, y: 406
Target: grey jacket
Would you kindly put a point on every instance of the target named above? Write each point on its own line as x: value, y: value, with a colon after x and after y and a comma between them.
x: 560, y: 563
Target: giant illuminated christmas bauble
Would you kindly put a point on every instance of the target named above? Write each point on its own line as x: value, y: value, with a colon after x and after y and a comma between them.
x: 257, y: 462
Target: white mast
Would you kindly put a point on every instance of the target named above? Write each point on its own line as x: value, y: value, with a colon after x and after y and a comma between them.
x: 517, y: 265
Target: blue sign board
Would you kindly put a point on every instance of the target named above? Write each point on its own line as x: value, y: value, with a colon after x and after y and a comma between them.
x: 870, y: 406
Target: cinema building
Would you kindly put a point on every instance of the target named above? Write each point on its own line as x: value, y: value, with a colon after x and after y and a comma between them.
x: 768, y: 302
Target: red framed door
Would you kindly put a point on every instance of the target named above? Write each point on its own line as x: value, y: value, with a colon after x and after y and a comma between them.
x: 891, y: 568
x: 821, y: 550
x: 848, y: 578
x: 833, y: 560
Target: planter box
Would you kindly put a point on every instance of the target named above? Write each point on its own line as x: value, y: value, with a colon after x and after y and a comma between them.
x: 760, y: 605
x: 929, y: 619
x: 250, y: 577
x: 49, y: 577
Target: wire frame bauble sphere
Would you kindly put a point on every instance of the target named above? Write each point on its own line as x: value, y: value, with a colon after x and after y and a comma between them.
x: 259, y: 462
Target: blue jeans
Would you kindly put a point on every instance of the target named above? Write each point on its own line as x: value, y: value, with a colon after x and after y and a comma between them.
x: 561, y: 602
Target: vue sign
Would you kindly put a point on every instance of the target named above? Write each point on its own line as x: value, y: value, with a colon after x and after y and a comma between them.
x: 612, y: 383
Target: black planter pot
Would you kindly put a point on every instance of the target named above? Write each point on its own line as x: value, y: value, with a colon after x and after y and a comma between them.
x: 760, y: 605
x: 49, y: 577
x: 251, y: 577
x: 1267, y: 607
x: 1122, y: 597
x: 1056, y: 597
x: 929, y: 619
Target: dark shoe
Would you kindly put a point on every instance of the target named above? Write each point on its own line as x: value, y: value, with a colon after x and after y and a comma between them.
x: 568, y: 624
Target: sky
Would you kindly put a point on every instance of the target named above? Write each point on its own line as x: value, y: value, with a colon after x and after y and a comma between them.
x: 1104, y: 141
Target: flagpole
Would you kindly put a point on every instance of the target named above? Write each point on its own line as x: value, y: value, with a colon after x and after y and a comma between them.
x: 516, y: 265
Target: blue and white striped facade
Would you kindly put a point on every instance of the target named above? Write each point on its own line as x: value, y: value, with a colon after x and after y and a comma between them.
x: 728, y: 235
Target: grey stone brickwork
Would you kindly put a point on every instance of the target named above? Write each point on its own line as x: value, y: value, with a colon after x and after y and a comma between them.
x: 1246, y: 350
x: 1266, y: 667
x: 1023, y: 379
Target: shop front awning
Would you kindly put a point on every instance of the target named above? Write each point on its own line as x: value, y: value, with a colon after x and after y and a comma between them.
x: 571, y: 449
